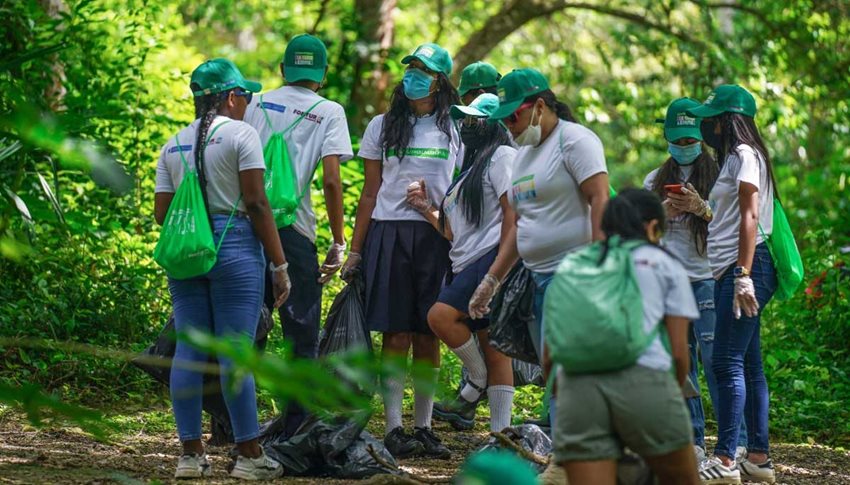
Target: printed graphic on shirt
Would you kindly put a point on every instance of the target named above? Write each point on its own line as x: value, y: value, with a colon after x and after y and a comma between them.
x: 273, y: 106
x: 523, y: 189
x: 180, y: 148
x: 441, y: 153
x: 310, y: 116
x: 451, y: 201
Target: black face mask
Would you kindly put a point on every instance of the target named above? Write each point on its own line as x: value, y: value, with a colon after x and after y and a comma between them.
x: 712, y: 139
x: 474, y: 136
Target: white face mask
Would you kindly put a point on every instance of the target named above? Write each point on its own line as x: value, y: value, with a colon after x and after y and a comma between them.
x: 532, y: 134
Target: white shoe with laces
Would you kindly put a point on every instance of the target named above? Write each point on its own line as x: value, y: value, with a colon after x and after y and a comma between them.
x: 762, y: 473
x: 260, y: 468
x: 713, y: 472
x: 193, y: 465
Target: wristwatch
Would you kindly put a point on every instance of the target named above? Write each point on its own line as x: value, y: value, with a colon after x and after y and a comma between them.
x: 740, y: 271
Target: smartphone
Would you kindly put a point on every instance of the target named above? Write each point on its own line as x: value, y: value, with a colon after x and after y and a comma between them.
x: 675, y: 188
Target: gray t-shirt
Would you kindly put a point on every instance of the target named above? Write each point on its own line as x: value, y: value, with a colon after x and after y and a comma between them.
x: 323, y: 132
x: 431, y: 155
x: 742, y: 165
x: 678, y: 238
x: 666, y: 291
x: 554, y: 216
x: 469, y: 242
x: 233, y: 148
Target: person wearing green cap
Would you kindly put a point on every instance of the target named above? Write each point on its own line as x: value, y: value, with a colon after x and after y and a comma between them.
x: 742, y: 201
x: 226, y: 154
x: 476, y: 216
x: 404, y: 259
x: 315, y: 130
x: 476, y: 79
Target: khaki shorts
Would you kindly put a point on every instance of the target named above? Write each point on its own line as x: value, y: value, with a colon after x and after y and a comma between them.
x: 637, y: 407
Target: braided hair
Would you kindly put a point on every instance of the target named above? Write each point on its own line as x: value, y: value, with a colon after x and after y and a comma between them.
x: 206, y: 109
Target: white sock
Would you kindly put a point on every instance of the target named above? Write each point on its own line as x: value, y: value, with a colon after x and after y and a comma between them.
x: 501, y: 403
x: 469, y: 354
x: 393, y: 396
x: 423, y: 399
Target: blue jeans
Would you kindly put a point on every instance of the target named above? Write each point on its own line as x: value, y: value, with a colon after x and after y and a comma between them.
x: 701, y: 344
x: 741, y: 386
x: 226, y: 302
x: 541, y: 282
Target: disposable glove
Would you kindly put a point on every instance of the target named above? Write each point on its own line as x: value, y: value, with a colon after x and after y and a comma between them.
x: 351, y: 266
x: 745, y: 298
x: 417, y: 197
x: 689, y: 201
x: 280, y: 283
x: 479, y: 304
x: 333, y: 261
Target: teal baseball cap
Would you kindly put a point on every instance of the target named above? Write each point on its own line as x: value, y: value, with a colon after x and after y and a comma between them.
x: 481, y: 107
x: 726, y: 98
x: 478, y: 75
x: 433, y: 56
x: 678, y: 123
x: 515, y: 87
x: 305, y: 59
x: 218, y: 75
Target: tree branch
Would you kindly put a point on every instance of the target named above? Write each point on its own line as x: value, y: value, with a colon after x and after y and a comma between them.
x: 323, y: 8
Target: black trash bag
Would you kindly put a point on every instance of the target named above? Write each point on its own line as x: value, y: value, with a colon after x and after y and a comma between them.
x: 528, y: 437
x: 512, y: 312
x: 525, y: 373
x: 156, y: 362
x: 345, y: 327
x: 336, y: 448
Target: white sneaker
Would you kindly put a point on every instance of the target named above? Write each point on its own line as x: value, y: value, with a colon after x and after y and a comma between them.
x: 260, y: 468
x: 757, y: 473
x: 713, y: 472
x: 740, y: 454
x: 193, y: 466
x: 699, y: 453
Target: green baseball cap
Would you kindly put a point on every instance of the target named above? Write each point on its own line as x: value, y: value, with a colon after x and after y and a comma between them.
x: 481, y: 107
x: 433, y: 56
x: 726, y: 98
x: 678, y: 124
x: 478, y: 75
x: 305, y: 59
x: 515, y: 87
x: 217, y: 75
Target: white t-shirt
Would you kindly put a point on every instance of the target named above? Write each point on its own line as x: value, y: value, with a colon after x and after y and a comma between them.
x: 742, y: 165
x: 469, y: 242
x: 554, y: 216
x: 666, y: 291
x: 233, y: 148
x: 431, y: 155
x: 678, y: 238
x: 323, y: 132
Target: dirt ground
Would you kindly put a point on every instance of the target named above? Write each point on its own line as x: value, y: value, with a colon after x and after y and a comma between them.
x: 69, y: 456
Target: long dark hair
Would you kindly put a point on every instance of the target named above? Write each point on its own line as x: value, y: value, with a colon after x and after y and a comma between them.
x: 737, y: 129
x: 560, y: 108
x: 476, y: 162
x: 397, y: 129
x: 627, y: 213
x: 206, y: 109
x: 703, y: 176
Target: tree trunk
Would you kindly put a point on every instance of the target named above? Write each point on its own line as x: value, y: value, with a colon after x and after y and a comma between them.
x: 374, y: 40
x: 55, y: 92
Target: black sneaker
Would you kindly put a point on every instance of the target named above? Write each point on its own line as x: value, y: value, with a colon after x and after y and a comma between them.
x: 401, y: 444
x: 433, y: 446
x: 460, y: 413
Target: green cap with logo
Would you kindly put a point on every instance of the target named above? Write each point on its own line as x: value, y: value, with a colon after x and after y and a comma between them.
x: 515, y: 87
x: 305, y: 59
x: 433, y: 56
x: 726, y: 98
x: 478, y: 75
x: 218, y: 75
x: 678, y: 123
x: 481, y: 107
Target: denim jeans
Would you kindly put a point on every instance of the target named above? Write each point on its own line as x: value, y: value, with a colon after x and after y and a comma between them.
x: 741, y: 386
x: 541, y: 282
x: 225, y: 302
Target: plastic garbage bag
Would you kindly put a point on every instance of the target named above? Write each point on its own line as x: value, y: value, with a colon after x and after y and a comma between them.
x: 525, y: 373
x: 345, y: 327
x: 512, y: 312
x: 156, y: 361
x: 529, y: 437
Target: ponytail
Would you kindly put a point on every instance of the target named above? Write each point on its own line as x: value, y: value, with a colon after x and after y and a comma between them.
x: 561, y: 109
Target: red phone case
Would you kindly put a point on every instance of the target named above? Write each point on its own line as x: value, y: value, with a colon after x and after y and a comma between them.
x: 675, y: 188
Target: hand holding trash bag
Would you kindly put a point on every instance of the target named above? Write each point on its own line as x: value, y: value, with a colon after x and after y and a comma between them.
x: 333, y: 261
x: 479, y: 304
x: 350, y: 267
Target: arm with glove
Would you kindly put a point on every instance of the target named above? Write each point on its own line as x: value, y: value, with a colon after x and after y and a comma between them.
x: 690, y: 201
x: 418, y: 199
x: 479, y: 304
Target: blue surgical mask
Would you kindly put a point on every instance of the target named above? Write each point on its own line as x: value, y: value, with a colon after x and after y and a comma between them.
x: 417, y: 83
x: 685, y: 155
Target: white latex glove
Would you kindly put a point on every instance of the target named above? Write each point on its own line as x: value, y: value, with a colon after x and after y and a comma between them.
x: 417, y: 196
x: 351, y: 266
x: 280, y: 283
x: 333, y: 261
x: 479, y: 304
x: 689, y: 201
x: 745, y: 298
x: 672, y: 212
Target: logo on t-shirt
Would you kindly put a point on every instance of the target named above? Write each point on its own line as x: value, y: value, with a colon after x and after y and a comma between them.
x: 180, y: 148
x: 310, y: 116
x: 440, y: 153
x: 523, y: 189
x: 273, y: 106
x: 303, y: 58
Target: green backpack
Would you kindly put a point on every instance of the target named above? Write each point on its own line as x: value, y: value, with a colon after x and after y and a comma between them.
x: 280, y: 179
x: 186, y: 248
x: 593, y: 312
x: 785, y: 255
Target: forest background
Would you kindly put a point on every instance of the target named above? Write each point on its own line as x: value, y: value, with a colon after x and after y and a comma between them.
x: 91, y: 89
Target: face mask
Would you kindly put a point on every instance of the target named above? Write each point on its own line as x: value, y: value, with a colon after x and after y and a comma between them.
x: 473, y: 136
x: 532, y: 134
x: 708, y: 136
x: 684, y: 155
x: 417, y: 84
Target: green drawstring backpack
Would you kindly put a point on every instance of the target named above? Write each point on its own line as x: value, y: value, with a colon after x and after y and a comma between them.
x: 785, y: 254
x: 280, y: 180
x: 186, y: 248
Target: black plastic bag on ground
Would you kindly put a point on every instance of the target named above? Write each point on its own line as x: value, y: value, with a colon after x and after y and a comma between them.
x: 512, y: 312
x: 345, y: 327
x: 529, y: 437
x: 156, y: 361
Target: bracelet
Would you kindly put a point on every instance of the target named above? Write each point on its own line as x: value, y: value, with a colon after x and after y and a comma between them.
x: 278, y: 269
